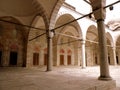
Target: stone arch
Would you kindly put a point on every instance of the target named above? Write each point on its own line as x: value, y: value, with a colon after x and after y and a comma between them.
x: 92, y: 29
x: 69, y: 18
x: 39, y: 25
x: 69, y: 51
x: 118, y: 41
x: 55, y: 13
x: 111, y: 39
x: 73, y: 29
x: 14, y: 47
x: 36, y: 43
x: 92, y: 53
x: 118, y: 50
x: 111, y: 47
x: 62, y: 51
x: 65, y: 29
x: 41, y: 22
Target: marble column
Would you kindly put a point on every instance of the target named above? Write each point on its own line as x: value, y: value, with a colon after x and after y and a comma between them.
x: 83, y: 54
x: 79, y: 56
x: 100, y: 14
x: 49, y: 51
x: 114, y: 56
x: 104, y: 68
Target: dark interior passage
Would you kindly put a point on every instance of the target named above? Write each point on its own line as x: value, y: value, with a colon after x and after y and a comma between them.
x: 13, y: 58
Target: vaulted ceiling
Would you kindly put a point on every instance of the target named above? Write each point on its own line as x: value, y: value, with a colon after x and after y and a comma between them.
x: 26, y: 10
x: 27, y: 7
x: 22, y: 8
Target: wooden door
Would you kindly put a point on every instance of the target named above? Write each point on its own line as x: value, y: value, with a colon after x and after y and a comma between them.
x: 69, y: 59
x: 35, y: 58
x: 45, y: 59
x: 61, y: 59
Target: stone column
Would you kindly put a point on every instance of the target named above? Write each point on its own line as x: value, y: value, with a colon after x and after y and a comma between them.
x: 104, y: 68
x: 78, y: 56
x: 100, y: 14
x: 83, y: 54
x: 114, y: 56
x: 49, y: 51
x: 65, y: 59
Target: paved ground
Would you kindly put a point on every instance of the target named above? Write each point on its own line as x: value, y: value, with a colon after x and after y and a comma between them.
x: 61, y: 78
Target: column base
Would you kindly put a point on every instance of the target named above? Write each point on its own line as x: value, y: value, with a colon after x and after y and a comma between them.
x: 48, y: 69
x: 83, y: 67
x: 105, y: 78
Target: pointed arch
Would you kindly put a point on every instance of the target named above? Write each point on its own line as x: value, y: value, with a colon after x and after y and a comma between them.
x: 55, y: 13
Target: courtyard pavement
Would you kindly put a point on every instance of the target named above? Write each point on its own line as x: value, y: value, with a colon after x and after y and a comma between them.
x: 60, y: 78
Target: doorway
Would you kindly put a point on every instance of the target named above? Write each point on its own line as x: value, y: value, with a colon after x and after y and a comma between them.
x: 117, y: 60
x: 35, y: 58
x: 109, y: 60
x: 96, y: 61
x: 13, y: 58
x: 69, y: 59
x: 61, y: 59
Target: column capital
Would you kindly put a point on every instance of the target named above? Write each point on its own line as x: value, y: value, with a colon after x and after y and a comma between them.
x: 51, y: 34
x: 99, y: 14
x: 114, y: 47
x: 98, y: 8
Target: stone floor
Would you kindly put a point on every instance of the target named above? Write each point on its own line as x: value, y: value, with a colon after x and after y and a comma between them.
x: 60, y: 78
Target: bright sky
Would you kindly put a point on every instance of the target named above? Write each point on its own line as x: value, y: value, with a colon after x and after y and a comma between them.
x: 85, y: 8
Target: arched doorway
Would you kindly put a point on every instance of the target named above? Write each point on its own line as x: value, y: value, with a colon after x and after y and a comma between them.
x: 36, y: 51
x: 66, y: 38
x: 62, y: 56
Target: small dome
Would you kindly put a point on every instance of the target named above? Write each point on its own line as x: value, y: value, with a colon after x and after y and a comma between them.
x: 114, y: 24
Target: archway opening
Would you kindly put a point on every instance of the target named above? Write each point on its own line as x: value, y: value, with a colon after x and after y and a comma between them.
x: 67, y: 38
x: 92, y: 51
x: 37, y: 43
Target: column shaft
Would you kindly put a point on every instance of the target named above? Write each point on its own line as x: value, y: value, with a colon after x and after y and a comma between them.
x: 83, y: 54
x: 104, y: 68
x: 49, y: 58
x: 114, y: 56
